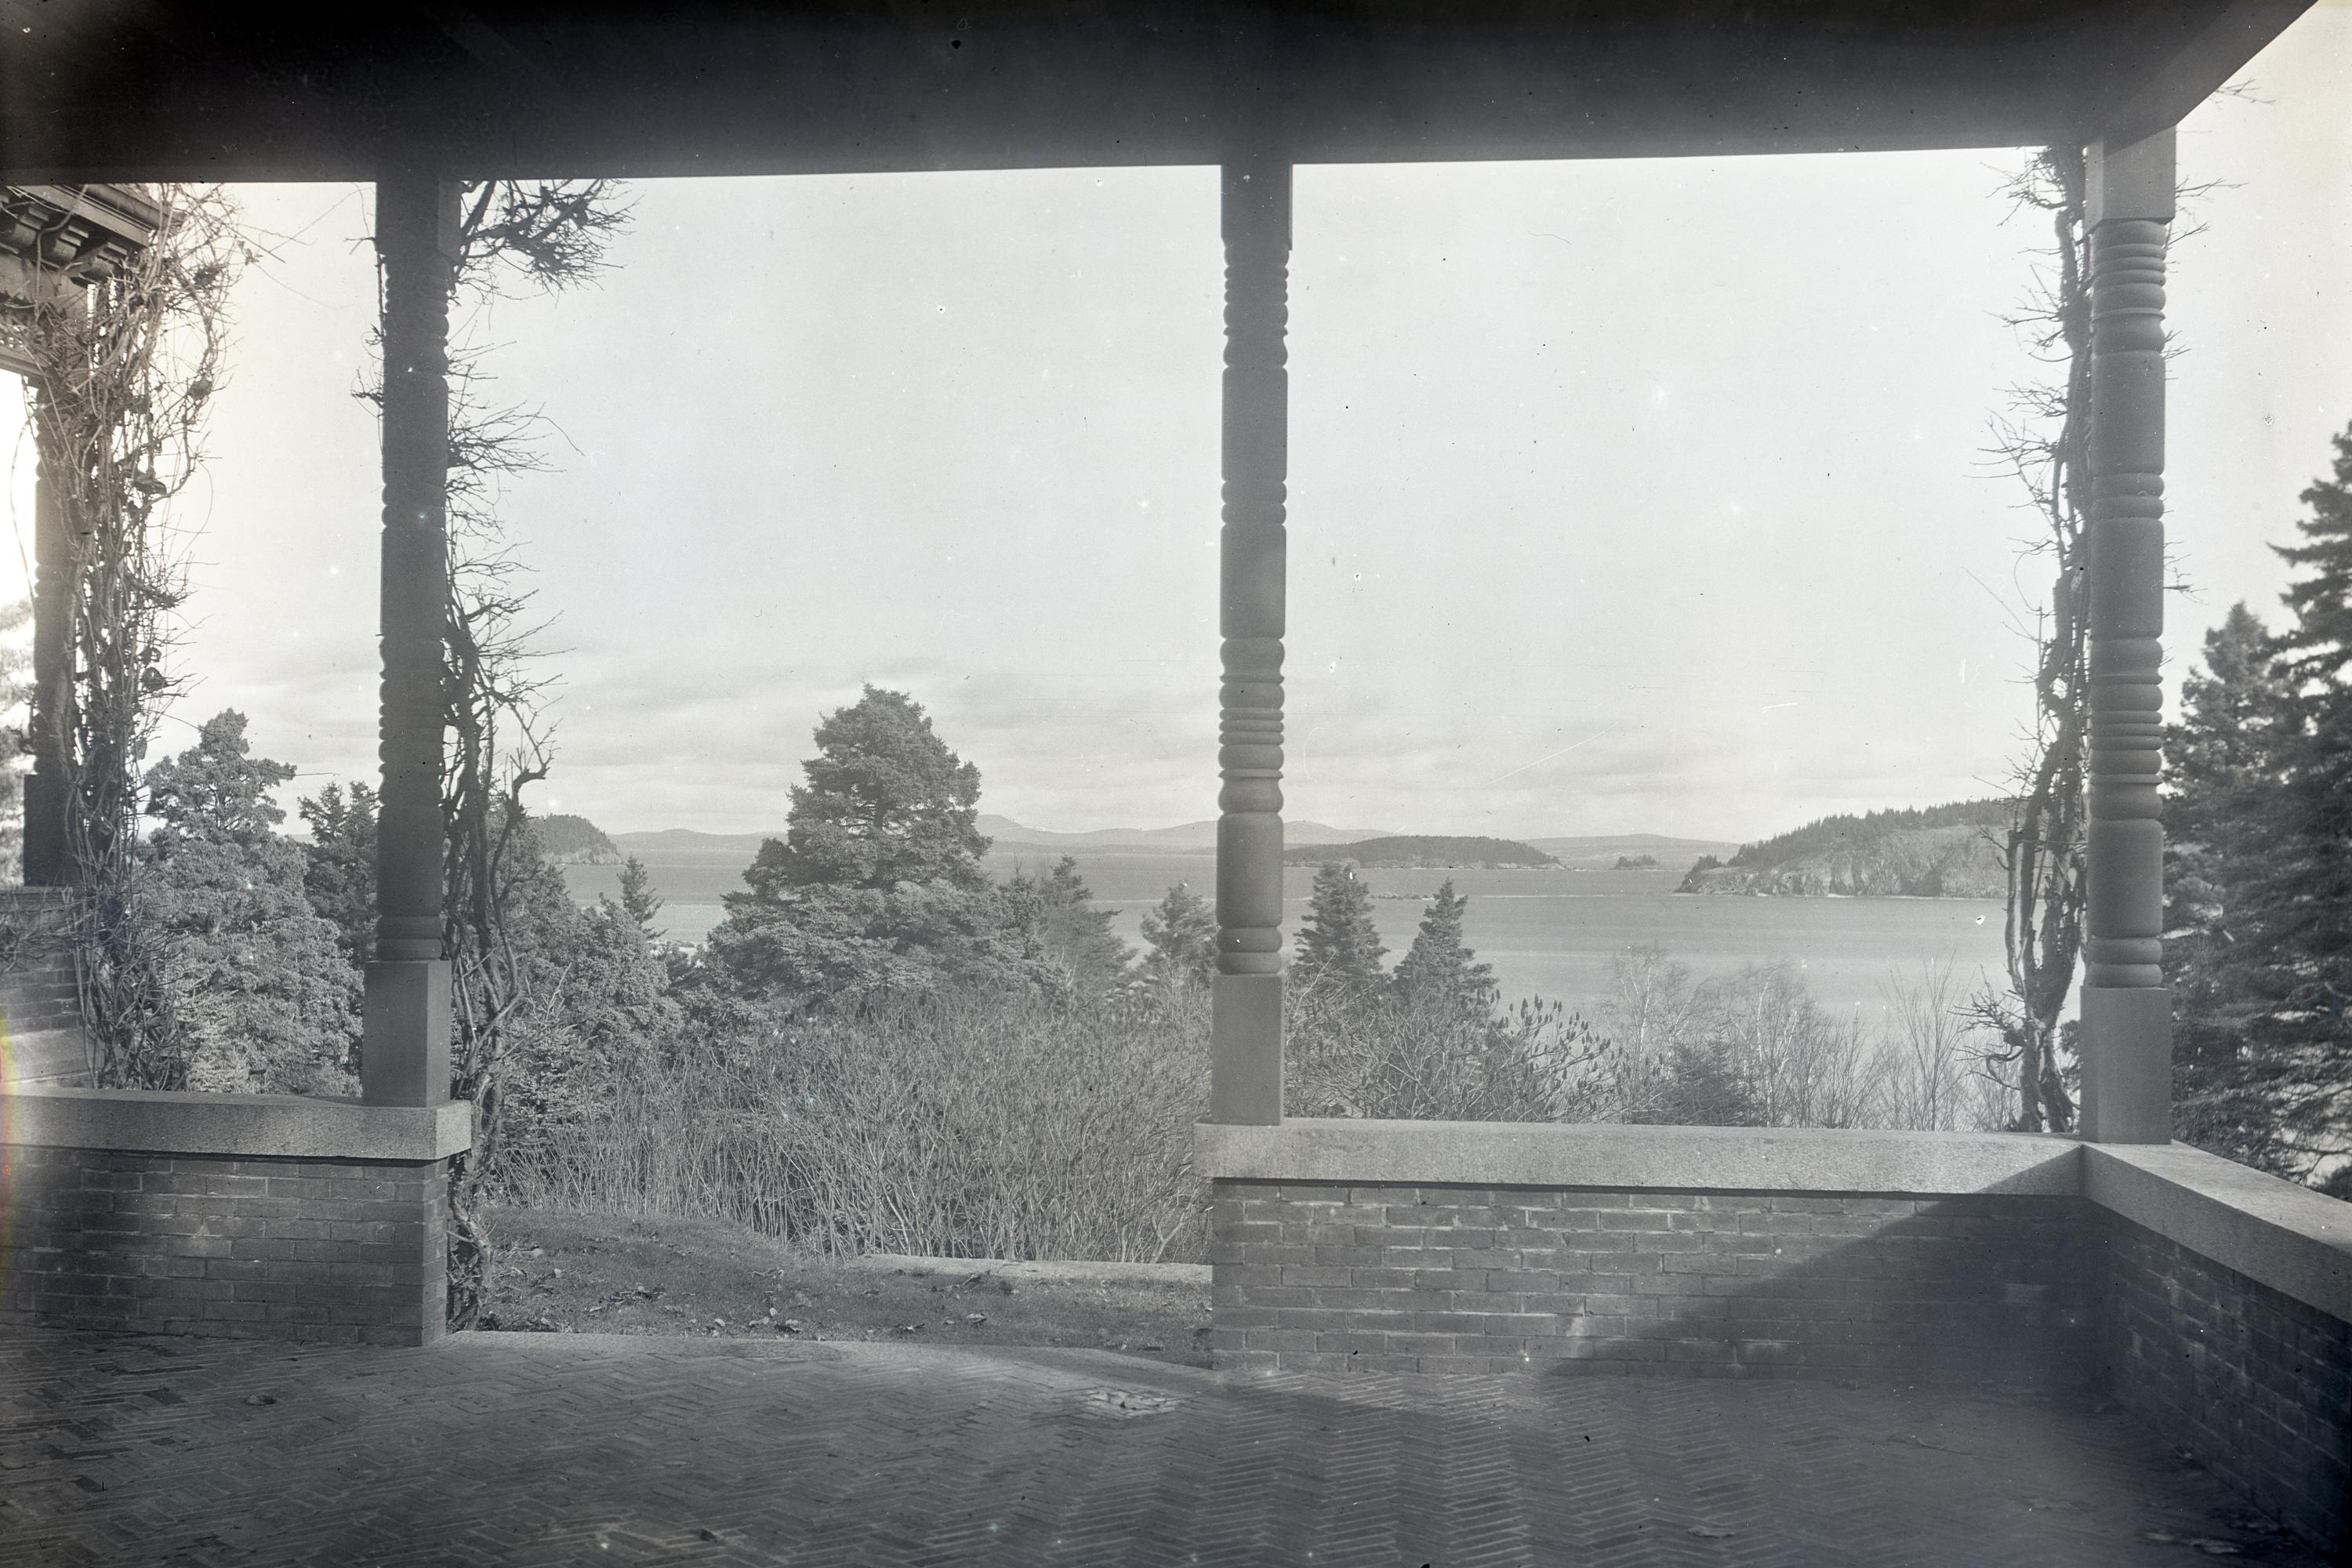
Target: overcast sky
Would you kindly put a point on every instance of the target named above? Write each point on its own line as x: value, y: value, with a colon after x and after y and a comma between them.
x: 1625, y: 496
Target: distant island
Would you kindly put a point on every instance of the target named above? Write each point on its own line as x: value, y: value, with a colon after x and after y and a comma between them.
x: 575, y: 841
x: 1602, y: 852
x: 1936, y: 852
x: 1635, y: 863
x: 1430, y: 852
x: 1186, y: 837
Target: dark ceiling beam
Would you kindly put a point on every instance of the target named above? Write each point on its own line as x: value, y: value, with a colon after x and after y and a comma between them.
x: 2219, y: 52
x: 157, y: 90
x: 489, y: 46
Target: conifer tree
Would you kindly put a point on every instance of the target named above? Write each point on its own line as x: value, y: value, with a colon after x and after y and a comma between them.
x: 2301, y: 887
x: 338, y: 873
x: 1439, y: 969
x: 878, y: 884
x: 2222, y: 807
x: 1182, y: 933
x: 1338, y: 946
x: 249, y: 991
x: 638, y: 900
x: 885, y: 802
x: 1073, y: 927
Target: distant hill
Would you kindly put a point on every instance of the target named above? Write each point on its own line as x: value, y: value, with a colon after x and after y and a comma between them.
x: 683, y: 847
x: 1429, y: 850
x: 1184, y: 837
x: 575, y: 841
x: 1943, y: 851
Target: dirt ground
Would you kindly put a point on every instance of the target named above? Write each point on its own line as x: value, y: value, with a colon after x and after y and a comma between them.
x: 561, y: 1272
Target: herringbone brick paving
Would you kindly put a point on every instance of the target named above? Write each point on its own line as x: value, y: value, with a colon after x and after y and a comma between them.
x: 559, y: 1450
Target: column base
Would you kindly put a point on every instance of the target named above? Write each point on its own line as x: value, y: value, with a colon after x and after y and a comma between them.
x: 2126, y: 1065
x: 1245, y: 1071
x: 405, y: 1050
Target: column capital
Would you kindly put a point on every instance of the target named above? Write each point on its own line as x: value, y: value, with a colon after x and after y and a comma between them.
x: 417, y: 209
x: 2134, y: 181
x: 1254, y: 204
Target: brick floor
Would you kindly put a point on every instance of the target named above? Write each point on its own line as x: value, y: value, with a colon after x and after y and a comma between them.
x: 578, y: 1449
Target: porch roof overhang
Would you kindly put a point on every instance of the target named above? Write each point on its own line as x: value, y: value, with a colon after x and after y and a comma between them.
x: 110, y: 90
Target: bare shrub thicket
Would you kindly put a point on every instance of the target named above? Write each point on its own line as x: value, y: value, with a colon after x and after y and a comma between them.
x: 1755, y: 1047
x: 961, y: 1124
x: 1749, y: 1048
x: 955, y: 1126
x: 1440, y: 1059
x: 1931, y: 1060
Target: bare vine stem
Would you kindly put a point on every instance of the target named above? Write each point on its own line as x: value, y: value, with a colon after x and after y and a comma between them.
x: 126, y: 369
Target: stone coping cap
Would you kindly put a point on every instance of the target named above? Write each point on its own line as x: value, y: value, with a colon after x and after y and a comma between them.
x: 233, y: 1126
x: 2296, y: 1241
x: 1607, y: 1155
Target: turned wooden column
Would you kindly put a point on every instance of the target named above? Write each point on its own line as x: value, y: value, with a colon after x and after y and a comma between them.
x: 1246, y: 1079
x: 49, y: 857
x: 2126, y: 1011
x: 48, y: 861
x: 405, y: 1056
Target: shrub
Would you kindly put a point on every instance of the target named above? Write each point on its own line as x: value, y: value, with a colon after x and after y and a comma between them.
x: 1392, y: 1054
x: 960, y: 1126
x: 1754, y: 1048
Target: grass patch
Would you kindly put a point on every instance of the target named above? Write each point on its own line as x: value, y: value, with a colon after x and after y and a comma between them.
x: 564, y: 1271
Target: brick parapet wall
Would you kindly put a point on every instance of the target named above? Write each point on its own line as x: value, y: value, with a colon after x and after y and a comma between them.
x: 2255, y: 1384
x: 258, y: 1247
x: 1985, y: 1289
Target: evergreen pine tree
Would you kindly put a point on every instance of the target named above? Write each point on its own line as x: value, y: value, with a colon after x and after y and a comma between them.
x: 2221, y: 808
x: 1699, y: 1085
x: 878, y: 885
x: 595, y: 1009
x: 639, y: 902
x: 251, y: 992
x: 2301, y: 891
x: 885, y: 802
x: 1439, y: 970
x: 1182, y: 933
x: 2317, y: 650
x: 1073, y: 927
x: 339, y: 865
x: 1338, y: 946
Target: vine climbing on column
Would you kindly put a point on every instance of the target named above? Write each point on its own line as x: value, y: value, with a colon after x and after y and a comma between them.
x: 126, y: 361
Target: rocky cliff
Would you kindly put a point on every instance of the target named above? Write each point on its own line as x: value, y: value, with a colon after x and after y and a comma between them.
x: 575, y: 841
